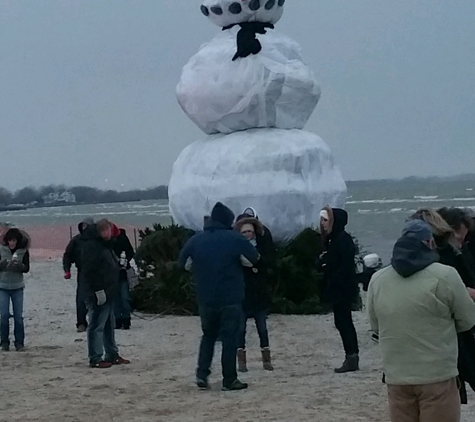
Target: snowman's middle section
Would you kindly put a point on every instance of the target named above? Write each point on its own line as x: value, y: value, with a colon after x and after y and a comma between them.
x: 272, y: 89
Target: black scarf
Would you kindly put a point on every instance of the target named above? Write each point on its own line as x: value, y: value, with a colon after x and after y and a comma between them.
x: 247, y: 43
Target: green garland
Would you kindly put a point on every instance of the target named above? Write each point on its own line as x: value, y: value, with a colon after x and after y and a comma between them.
x: 294, y: 283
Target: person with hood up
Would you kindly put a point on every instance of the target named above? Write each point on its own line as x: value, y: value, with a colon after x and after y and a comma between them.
x: 337, y: 262
x: 125, y: 252
x: 99, y: 282
x: 214, y: 256
x: 448, y: 229
x: 14, y: 262
x: 256, y: 299
x: 72, y: 255
x: 418, y: 306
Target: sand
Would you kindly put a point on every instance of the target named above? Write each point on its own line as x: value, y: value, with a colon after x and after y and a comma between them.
x: 51, y: 381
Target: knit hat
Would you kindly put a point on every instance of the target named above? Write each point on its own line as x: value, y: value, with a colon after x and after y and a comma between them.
x: 250, y: 212
x: 222, y: 214
x: 417, y: 229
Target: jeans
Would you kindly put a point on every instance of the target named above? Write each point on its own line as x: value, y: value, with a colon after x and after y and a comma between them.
x: 100, y: 331
x: 344, y: 324
x: 81, y: 309
x: 260, y: 319
x: 16, y: 296
x: 222, y: 322
x: 122, y: 302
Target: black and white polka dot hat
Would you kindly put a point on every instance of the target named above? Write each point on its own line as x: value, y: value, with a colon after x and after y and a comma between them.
x: 228, y: 12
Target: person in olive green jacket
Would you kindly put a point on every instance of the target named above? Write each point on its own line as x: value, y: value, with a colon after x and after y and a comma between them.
x: 417, y: 306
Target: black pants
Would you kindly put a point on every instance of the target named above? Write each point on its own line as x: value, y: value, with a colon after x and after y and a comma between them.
x: 222, y: 322
x: 344, y: 324
x: 81, y: 309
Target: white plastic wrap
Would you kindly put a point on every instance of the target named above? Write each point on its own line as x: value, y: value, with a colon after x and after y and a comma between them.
x: 227, y: 12
x: 273, y: 88
x: 286, y: 175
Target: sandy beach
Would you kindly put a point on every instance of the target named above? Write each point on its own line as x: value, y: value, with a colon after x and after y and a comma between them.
x: 51, y: 381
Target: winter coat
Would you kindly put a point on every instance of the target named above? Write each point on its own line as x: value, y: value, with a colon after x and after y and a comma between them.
x: 11, y: 273
x: 72, y: 254
x: 257, y: 296
x: 337, y: 261
x: 99, y: 265
x: 122, y: 244
x: 217, y: 269
x: 455, y: 258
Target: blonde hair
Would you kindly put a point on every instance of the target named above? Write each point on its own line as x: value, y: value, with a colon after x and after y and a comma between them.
x: 440, y: 228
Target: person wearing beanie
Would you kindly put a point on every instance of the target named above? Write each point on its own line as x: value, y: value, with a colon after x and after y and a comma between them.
x: 72, y: 255
x: 418, y: 306
x: 265, y: 240
x: 214, y: 257
x: 256, y: 301
x: 337, y: 263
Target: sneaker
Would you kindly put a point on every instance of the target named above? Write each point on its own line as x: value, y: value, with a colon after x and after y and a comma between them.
x: 202, y: 384
x: 20, y: 348
x: 5, y: 347
x: 102, y: 364
x: 81, y: 328
x: 119, y: 361
x: 236, y: 385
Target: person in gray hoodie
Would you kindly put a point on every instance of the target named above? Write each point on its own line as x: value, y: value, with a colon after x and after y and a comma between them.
x: 14, y: 262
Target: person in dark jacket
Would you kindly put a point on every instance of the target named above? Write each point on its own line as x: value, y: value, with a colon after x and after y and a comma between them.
x: 99, y: 282
x: 215, y: 258
x: 14, y: 262
x: 256, y: 299
x: 125, y: 252
x: 337, y: 262
x: 470, y: 239
x: 72, y: 255
x: 265, y: 240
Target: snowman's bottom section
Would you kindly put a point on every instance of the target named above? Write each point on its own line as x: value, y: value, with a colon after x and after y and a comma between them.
x: 286, y: 175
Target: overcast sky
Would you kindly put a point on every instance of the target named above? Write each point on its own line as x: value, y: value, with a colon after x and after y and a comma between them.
x: 87, y: 87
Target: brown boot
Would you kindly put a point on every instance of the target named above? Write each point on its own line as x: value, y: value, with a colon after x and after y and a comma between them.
x: 241, y: 355
x: 266, y: 359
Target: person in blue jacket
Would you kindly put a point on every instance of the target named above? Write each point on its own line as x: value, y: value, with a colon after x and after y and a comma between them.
x: 215, y: 256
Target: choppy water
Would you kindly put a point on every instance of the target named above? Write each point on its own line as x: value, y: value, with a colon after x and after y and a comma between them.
x: 377, y: 210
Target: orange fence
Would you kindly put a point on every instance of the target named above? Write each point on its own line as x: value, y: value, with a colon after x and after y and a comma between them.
x: 49, y: 242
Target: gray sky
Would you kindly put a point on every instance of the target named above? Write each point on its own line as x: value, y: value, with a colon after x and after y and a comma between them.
x: 87, y: 88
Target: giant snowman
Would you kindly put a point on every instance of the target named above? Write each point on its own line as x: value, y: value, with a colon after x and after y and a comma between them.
x: 250, y: 92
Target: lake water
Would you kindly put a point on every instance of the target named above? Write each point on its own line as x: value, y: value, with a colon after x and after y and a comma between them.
x: 377, y: 210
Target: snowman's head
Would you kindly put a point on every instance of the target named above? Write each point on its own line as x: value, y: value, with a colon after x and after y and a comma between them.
x: 228, y: 12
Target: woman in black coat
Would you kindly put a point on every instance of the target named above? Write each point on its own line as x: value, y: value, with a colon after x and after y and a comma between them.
x: 337, y: 262
x: 256, y: 299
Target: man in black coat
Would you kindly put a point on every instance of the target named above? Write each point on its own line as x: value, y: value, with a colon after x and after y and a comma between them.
x: 99, y: 282
x: 214, y: 255
x: 72, y: 255
x: 337, y: 262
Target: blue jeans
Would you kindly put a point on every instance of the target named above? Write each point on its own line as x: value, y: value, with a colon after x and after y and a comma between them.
x: 260, y: 318
x: 100, y: 331
x: 16, y: 296
x: 222, y: 322
x: 122, y: 302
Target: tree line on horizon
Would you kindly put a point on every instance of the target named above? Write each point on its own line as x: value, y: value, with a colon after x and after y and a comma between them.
x: 83, y: 194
